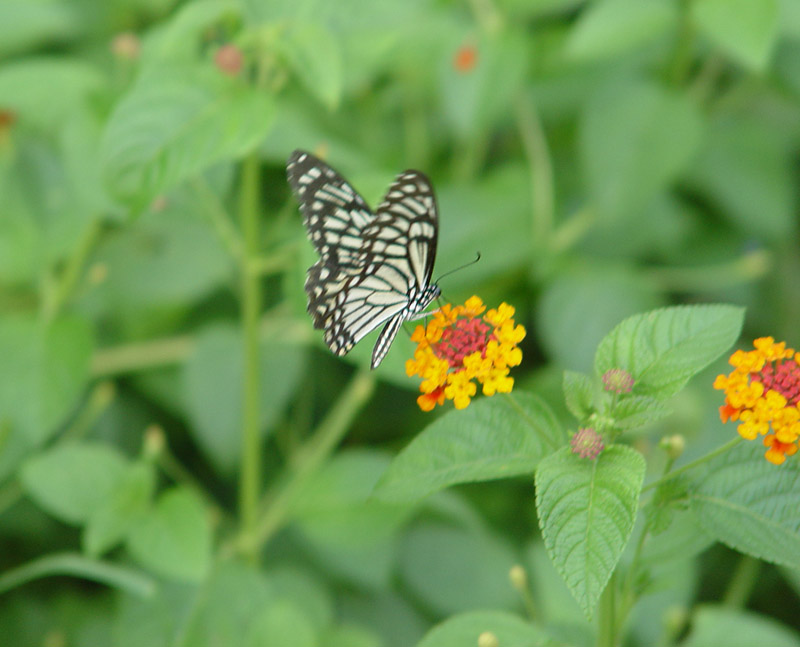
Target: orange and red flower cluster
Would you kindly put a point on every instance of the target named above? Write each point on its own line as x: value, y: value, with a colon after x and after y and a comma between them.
x: 763, y: 392
x: 458, y: 346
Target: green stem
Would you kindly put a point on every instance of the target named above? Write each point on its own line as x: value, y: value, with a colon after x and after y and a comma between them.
x: 572, y: 230
x: 537, y: 151
x: 72, y: 270
x: 742, y: 581
x: 682, y: 53
x: 310, y: 457
x: 125, y: 579
x: 703, y: 459
x: 250, y: 479
x: 606, y: 611
x: 220, y: 219
x: 130, y: 358
x: 749, y: 267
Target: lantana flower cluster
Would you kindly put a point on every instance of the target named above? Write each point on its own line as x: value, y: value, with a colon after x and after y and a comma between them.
x: 763, y: 394
x: 458, y: 347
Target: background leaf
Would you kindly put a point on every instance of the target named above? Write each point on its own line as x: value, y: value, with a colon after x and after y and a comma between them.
x: 491, y: 439
x: 464, y: 629
x: 749, y: 504
x: 586, y: 513
x: 174, y: 538
x: 745, y: 30
x: 717, y: 625
x: 174, y: 124
x: 74, y: 480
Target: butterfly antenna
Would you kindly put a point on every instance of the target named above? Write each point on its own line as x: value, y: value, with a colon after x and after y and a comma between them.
x: 477, y: 258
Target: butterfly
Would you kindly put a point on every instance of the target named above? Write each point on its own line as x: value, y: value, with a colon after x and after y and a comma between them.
x: 374, y: 267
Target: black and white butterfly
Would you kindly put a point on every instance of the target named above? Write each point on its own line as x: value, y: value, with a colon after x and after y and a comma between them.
x: 374, y: 268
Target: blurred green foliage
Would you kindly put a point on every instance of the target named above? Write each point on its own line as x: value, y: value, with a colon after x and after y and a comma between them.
x: 605, y: 157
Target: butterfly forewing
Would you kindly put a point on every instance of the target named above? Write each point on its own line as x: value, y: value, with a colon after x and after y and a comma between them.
x: 373, y: 268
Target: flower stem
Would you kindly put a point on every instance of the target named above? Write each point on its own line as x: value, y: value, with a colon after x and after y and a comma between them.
x: 72, y: 269
x: 534, y: 141
x: 606, y: 612
x: 250, y: 477
x: 742, y: 581
x: 703, y: 459
x: 309, y: 458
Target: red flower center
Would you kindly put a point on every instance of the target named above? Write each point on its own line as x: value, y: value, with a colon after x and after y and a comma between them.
x: 783, y: 377
x: 461, y: 339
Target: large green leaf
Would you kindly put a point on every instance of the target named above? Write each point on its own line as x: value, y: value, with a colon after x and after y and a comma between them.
x: 43, y: 372
x: 122, y: 509
x: 456, y: 569
x: 212, y: 388
x: 493, y: 438
x: 586, y: 512
x: 662, y: 349
x: 281, y: 624
x: 175, y: 123
x: 174, y: 538
x: 24, y: 24
x: 747, y: 31
x: 713, y: 626
x: 564, y: 325
x: 636, y: 137
x: 28, y: 88
x: 314, y: 53
x: 751, y: 504
x: 613, y: 27
x: 464, y: 629
x: 745, y: 167
x: 72, y: 481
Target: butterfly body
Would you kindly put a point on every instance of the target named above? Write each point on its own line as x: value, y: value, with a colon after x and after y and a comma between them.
x: 374, y: 267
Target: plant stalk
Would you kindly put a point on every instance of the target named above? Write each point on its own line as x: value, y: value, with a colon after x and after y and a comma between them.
x: 250, y: 476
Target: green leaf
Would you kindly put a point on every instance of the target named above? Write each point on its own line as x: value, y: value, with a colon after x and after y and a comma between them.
x: 174, y: 538
x: 315, y: 55
x: 44, y: 370
x: 281, y: 624
x: 635, y: 138
x: 586, y: 512
x: 28, y: 86
x: 579, y: 394
x: 212, y: 387
x: 25, y: 24
x: 175, y: 123
x: 569, y: 336
x: 713, y: 626
x: 663, y: 348
x: 180, y: 36
x: 751, y: 505
x: 441, y: 565
x: 72, y: 481
x: 493, y: 438
x: 747, y: 31
x: 614, y: 27
x: 162, y: 260
x: 464, y: 629
x: 635, y: 411
x: 349, y: 532
x: 124, y: 507
x: 475, y: 99
x: 350, y: 636
x: 746, y: 168
x: 234, y: 595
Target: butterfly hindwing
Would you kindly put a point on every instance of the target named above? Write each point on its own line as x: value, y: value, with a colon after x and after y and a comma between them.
x: 373, y: 268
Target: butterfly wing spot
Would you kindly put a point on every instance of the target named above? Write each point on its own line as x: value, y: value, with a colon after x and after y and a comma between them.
x: 374, y: 268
